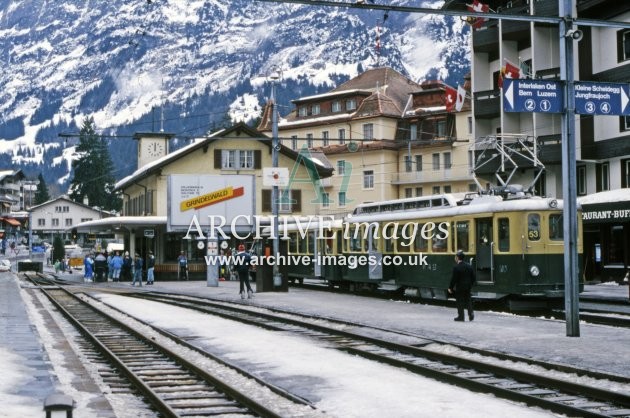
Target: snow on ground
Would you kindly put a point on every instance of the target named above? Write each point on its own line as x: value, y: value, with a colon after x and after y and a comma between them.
x: 15, y: 374
x: 337, y: 383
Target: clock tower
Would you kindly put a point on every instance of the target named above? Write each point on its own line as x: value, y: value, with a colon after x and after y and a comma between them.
x: 151, y: 146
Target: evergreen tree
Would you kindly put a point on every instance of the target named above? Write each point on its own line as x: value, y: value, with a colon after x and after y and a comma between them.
x: 93, y: 169
x: 41, y: 194
x: 58, y: 251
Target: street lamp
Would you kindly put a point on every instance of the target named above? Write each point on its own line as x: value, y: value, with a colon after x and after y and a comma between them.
x: 274, y: 76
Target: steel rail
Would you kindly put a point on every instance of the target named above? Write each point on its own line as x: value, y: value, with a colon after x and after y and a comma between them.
x: 557, y: 384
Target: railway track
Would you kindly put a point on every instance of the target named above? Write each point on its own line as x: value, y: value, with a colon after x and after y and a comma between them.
x: 535, y: 383
x: 170, y: 384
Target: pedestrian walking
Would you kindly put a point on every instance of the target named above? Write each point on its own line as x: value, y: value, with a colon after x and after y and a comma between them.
x: 57, y: 266
x: 137, y: 270
x: 116, y: 266
x: 242, y: 262
x: 150, y: 268
x: 462, y: 281
x: 182, y: 261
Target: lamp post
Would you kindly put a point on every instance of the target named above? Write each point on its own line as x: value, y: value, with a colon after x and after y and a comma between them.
x: 274, y: 76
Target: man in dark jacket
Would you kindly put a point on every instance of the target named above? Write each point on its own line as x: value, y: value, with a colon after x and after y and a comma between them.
x: 242, y: 268
x: 100, y: 266
x: 462, y: 281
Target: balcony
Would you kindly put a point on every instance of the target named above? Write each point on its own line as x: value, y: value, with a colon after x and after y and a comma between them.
x: 620, y: 74
x: 487, y: 39
x: 431, y: 176
x: 547, y: 8
x: 549, y: 149
x: 487, y: 104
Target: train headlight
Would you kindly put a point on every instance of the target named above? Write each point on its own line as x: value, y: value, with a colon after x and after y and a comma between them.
x: 553, y: 203
x: 534, y: 271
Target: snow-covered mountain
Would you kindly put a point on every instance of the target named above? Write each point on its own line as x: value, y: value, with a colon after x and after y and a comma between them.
x: 188, y: 66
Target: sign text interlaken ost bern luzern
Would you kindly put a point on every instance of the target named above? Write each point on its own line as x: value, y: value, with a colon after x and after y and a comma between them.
x: 546, y: 96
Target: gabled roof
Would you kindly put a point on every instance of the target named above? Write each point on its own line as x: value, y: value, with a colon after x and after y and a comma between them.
x: 378, y: 104
x: 386, y: 80
x: 8, y: 174
x: 66, y: 199
x: 240, y: 128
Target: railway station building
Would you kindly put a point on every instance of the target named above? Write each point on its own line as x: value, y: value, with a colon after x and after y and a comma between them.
x: 219, y: 176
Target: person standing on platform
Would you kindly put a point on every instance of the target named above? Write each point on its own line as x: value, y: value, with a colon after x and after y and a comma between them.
x: 116, y: 266
x: 150, y: 268
x: 125, y: 272
x: 88, y: 268
x: 137, y: 270
x: 242, y: 262
x: 182, y: 261
x: 462, y: 281
x: 100, y: 266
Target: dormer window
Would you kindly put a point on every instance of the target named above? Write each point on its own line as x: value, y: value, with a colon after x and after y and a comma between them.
x: 336, y: 106
x: 315, y: 109
x: 302, y: 111
x: 351, y: 104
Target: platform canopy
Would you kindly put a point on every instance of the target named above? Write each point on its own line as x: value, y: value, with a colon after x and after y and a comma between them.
x: 116, y: 223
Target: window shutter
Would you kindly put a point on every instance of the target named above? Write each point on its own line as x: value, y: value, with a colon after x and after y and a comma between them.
x: 296, y: 196
x: 217, y: 159
x: 257, y: 159
x: 266, y: 200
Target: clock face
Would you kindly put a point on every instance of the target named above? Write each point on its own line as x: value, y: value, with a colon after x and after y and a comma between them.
x: 155, y: 149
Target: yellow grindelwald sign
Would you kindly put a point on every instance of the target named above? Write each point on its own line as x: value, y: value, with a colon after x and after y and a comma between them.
x: 211, y: 198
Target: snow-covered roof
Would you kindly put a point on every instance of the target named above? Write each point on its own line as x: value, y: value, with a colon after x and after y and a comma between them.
x: 333, y: 94
x: 330, y: 118
x: 123, y: 221
x: 609, y: 196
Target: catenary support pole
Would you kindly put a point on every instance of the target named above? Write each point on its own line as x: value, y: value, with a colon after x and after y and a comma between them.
x: 571, y: 276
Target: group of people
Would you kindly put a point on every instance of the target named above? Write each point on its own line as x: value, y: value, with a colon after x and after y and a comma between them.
x: 116, y: 267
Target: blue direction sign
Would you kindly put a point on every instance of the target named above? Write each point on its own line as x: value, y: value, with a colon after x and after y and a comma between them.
x: 532, y: 96
x: 602, y: 98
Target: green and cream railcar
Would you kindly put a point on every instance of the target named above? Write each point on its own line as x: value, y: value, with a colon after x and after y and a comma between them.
x: 516, y: 246
x: 315, y: 251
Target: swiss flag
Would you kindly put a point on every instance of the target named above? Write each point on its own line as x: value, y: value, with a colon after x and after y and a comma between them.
x: 450, y: 98
x: 461, y: 96
x: 478, y: 7
x: 509, y: 71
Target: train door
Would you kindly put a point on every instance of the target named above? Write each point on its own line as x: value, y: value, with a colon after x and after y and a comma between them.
x: 375, y: 269
x: 484, y: 244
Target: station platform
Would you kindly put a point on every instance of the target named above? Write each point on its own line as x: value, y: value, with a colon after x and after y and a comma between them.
x: 30, y: 341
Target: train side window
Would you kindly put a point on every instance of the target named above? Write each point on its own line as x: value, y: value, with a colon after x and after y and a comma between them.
x: 302, y: 245
x: 403, y: 245
x: 293, y: 243
x: 389, y: 243
x: 420, y: 244
x: 504, y: 234
x: 462, y: 230
x: 556, y: 227
x: 311, y: 243
x: 440, y: 245
x: 533, y: 227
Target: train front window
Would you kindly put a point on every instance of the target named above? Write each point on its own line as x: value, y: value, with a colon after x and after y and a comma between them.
x: 556, y: 228
x: 462, y: 230
x: 504, y: 234
x: 533, y: 227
